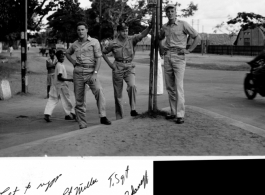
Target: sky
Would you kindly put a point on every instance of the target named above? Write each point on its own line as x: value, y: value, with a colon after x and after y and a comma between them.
x: 211, y: 12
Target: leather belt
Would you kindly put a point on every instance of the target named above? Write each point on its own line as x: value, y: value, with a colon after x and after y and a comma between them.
x: 175, y: 49
x: 86, y: 66
x: 124, y: 61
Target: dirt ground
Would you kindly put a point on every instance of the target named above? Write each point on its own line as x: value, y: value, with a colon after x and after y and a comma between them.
x: 199, y: 135
x: 144, y: 136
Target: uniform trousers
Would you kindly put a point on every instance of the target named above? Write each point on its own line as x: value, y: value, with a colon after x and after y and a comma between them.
x: 126, y: 72
x: 56, y: 94
x: 81, y: 79
x: 174, y: 68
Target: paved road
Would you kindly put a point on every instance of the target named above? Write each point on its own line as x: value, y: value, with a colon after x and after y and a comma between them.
x: 217, y: 91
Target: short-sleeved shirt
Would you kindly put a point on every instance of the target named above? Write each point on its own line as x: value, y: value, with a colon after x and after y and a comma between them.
x: 59, y: 69
x: 51, y: 62
x: 177, y: 34
x: 87, y: 52
x: 123, y: 50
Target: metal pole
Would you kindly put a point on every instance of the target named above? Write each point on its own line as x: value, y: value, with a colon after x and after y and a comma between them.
x: 100, y: 13
x: 156, y: 54
x: 151, y: 74
x: 23, y: 43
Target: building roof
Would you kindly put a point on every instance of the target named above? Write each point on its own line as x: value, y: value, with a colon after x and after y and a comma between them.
x: 217, y: 39
x: 214, y: 39
x: 262, y: 29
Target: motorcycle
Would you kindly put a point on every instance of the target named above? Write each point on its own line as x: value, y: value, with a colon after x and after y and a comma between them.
x: 254, y: 83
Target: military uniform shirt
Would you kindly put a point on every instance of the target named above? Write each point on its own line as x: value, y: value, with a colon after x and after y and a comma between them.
x: 176, y: 34
x: 123, y: 50
x: 87, y: 52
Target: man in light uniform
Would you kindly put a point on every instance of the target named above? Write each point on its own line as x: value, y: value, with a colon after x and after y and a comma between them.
x: 174, y: 49
x: 122, y: 48
x: 86, y: 66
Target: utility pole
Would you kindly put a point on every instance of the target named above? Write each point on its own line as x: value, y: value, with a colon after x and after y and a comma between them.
x: 151, y: 73
x: 100, y: 15
x: 23, y: 43
x: 158, y: 19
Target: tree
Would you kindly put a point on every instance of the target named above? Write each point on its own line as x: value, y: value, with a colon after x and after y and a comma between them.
x: 248, y: 20
x: 11, y: 12
x: 229, y: 29
x: 115, y: 12
x: 63, y: 21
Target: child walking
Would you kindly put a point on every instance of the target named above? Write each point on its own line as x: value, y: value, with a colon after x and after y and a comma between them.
x: 50, y: 65
x: 60, y: 91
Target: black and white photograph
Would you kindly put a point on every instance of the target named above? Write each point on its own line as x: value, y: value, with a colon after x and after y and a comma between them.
x: 131, y: 79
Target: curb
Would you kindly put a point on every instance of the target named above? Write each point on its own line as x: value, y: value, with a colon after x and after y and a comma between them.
x: 56, y: 138
x: 226, y: 120
x: 230, y: 121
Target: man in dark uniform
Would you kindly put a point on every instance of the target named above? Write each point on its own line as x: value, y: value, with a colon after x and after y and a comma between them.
x: 122, y: 48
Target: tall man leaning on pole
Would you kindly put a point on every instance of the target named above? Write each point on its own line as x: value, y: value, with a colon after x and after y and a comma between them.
x: 123, y: 49
x: 174, y: 50
x: 86, y: 66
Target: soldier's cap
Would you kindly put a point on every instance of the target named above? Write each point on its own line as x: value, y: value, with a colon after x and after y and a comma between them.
x: 169, y: 6
x: 122, y: 27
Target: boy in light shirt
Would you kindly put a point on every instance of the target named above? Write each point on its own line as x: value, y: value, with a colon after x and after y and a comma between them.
x: 60, y: 91
x: 50, y: 65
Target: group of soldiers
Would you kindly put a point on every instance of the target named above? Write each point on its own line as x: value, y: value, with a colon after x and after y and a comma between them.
x: 87, y: 63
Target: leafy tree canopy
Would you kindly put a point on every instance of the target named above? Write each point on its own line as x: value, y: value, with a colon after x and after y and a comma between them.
x: 248, y: 20
x: 63, y: 21
x: 115, y: 12
x: 12, y: 11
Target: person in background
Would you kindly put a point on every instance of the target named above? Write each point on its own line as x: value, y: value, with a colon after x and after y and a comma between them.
x: 123, y: 68
x: 50, y: 65
x: 86, y: 67
x: 10, y: 50
x: 174, y: 51
x: 60, y: 91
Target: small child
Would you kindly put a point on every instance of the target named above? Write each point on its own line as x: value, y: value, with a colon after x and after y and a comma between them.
x: 60, y: 91
x: 50, y: 65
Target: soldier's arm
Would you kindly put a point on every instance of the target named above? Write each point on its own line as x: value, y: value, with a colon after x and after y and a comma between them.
x: 107, y: 49
x: 161, y: 35
x: 105, y: 57
x: 194, y: 34
x: 195, y: 43
x: 68, y: 55
x: 145, y: 32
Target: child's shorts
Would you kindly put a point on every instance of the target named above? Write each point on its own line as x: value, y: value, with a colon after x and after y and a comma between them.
x: 50, y: 78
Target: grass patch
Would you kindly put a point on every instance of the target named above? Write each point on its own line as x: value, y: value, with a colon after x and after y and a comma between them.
x: 10, y: 67
x: 209, y: 66
x: 152, y: 114
x: 205, y: 66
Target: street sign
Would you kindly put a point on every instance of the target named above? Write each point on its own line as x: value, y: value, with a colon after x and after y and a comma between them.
x: 151, y: 2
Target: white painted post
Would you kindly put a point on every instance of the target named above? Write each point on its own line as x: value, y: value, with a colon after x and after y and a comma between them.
x: 5, y: 91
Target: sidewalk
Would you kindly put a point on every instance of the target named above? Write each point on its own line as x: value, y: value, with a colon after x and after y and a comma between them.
x: 203, y: 134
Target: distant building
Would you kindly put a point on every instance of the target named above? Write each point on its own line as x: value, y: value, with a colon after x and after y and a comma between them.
x: 216, y: 39
x: 251, y: 37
